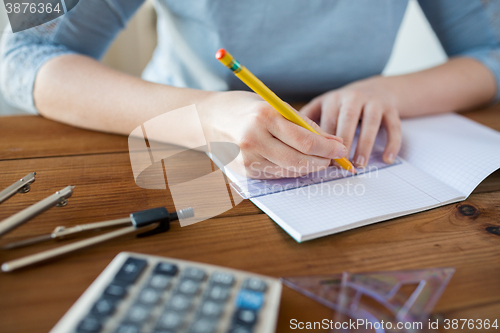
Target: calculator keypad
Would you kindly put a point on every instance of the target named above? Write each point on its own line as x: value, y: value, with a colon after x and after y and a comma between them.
x: 247, y: 299
x: 89, y: 325
x: 173, y: 299
x: 166, y: 269
x: 137, y: 314
x: 188, y: 287
x: 193, y: 274
x: 179, y: 303
x: 160, y: 282
x: 115, y: 291
x: 131, y: 270
x: 210, y: 309
x: 255, y: 284
x: 224, y: 279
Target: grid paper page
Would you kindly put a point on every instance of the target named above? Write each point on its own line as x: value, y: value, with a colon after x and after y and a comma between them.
x: 430, y: 185
x: 452, y: 148
x: 313, y: 211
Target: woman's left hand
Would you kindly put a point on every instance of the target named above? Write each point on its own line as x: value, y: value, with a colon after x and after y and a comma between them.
x: 339, y: 111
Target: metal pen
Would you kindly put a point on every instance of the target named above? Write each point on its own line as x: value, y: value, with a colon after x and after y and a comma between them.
x: 60, y: 198
x: 21, y: 186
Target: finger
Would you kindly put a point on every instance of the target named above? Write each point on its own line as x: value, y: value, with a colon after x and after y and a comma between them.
x: 290, y: 159
x: 392, y: 124
x: 320, y: 130
x: 348, y: 119
x: 329, y: 114
x: 306, y: 142
x: 314, y: 123
x: 312, y: 110
x: 370, y: 124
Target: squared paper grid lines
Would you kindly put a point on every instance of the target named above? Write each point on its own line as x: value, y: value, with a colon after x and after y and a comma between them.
x: 307, y: 214
x: 451, y: 148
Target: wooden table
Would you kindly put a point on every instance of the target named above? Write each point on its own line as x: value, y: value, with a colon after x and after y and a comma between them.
x: 32, y: 300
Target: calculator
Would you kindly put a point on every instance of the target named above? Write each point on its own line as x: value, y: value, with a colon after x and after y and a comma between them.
x: 144, y: 293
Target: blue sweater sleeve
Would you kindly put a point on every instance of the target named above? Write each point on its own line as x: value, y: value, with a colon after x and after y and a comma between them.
x: 469, y: 28
x: 87, y: 29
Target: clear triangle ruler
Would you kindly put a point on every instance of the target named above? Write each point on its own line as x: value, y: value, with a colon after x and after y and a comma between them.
x: 401, y: 300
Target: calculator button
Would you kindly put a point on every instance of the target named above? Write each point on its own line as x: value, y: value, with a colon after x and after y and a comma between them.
x: 194, y: 274
x: 160, y: 282
x: 203, y: 325
x: 247, y: 299
x: 188, y: 287
x: 255, y: 284
x: 131, y: 270
x: 127, y: 328
x: 210, y: 309
x: 217, y: 293
x: 170, y: 320
x: 240, y: 329
x: 103, y: 307
x: 221, y: 278
x: 89, y: 325
x: 166, y: 268
x: 149, y: 296
x: 138, y: 314
x: 179, y: 302
x: 245, y: 317
x: 115, y: 291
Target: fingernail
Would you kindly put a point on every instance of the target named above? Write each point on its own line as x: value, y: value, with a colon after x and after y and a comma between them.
x: 341, y: 153
x: 389, y: 159
x: 360, y: 161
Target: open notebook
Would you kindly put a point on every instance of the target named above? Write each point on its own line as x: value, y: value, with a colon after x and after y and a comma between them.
x: 442, y: 160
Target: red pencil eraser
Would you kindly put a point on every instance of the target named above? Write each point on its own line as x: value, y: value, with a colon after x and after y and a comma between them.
x: 220, y: 54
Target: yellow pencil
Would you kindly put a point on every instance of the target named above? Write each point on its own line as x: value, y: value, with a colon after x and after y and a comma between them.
x: 263, y: 91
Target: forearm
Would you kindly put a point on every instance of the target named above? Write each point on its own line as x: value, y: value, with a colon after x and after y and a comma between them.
x: 80, y: 91
x: 459, y: 84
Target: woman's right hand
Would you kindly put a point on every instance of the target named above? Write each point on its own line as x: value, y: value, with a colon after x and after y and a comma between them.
x: 270, y: 145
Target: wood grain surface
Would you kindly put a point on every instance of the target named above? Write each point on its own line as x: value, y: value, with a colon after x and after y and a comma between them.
x: 464, y: 235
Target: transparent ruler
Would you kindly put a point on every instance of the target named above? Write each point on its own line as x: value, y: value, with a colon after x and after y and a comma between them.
x: 251, y: 188
x: 374, y: 298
